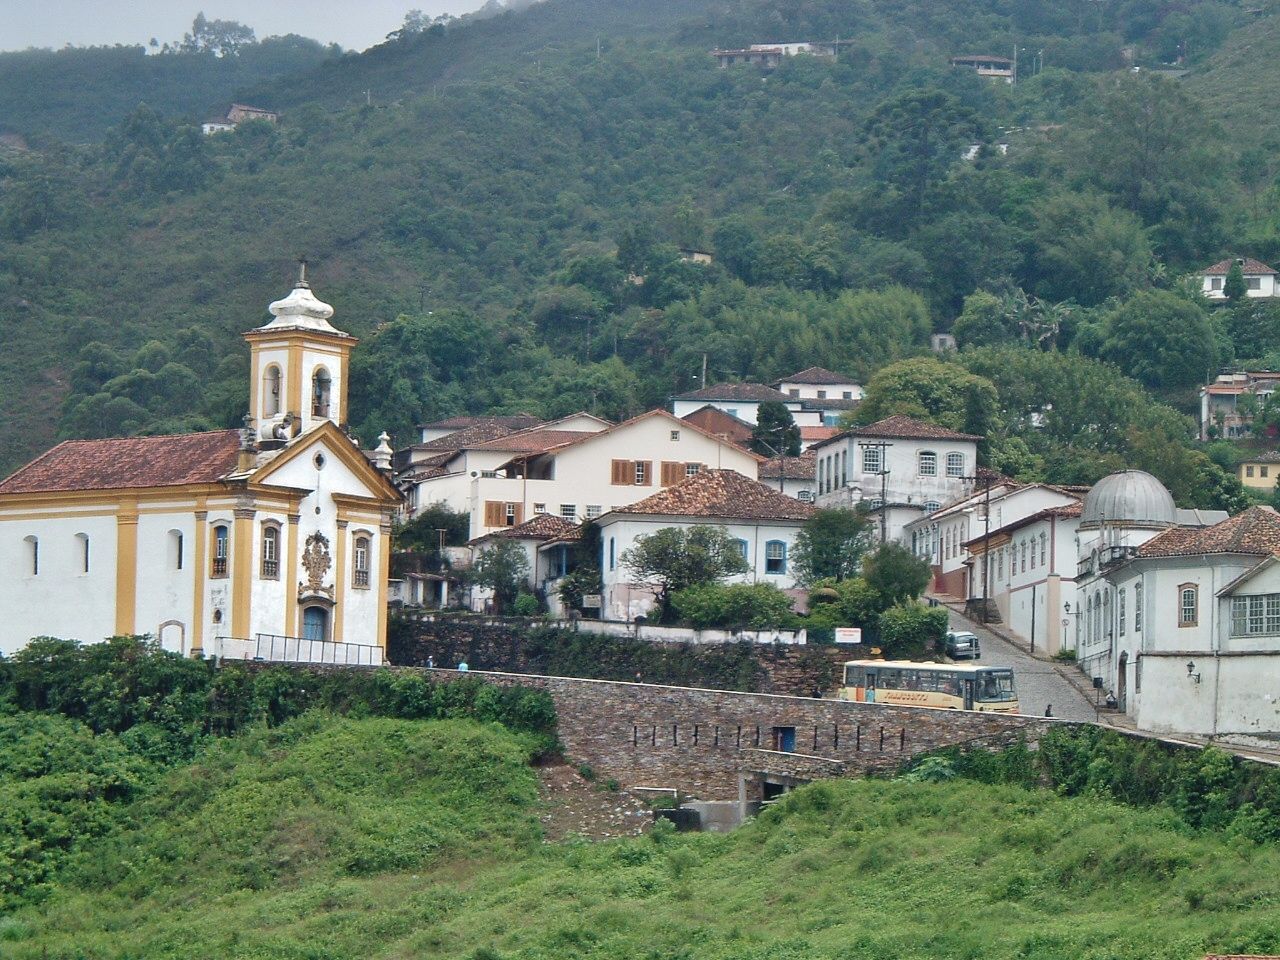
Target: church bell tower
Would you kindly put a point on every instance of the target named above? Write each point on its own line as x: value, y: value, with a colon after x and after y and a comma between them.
x: 299, y: 364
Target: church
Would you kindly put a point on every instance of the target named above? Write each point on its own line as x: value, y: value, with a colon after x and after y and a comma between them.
x: 273, y: 541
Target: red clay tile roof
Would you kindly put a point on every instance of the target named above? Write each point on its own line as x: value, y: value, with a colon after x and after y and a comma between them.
x: 1256, y: 531
x: 1271, y: 456
x: 818, y: 433
x: 543, y: 526
x: 129, y: 462
x: 740, y: 392
x: 517, y: 421
x: 535, y: 441
x: 721, y: 495
x: 489, y: 428
x: 803, y: 467
x: 717, y: 422
x: 1250, y: 266
x: 901, y: 427
x: 816, y: 375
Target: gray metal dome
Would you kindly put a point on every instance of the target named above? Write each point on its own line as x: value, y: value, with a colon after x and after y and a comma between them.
x: 1129, y: 497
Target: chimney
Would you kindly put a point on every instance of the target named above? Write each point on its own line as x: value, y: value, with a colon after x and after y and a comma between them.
x: 248, y: 456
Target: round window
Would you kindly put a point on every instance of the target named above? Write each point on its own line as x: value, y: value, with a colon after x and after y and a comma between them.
x: 318, y: 460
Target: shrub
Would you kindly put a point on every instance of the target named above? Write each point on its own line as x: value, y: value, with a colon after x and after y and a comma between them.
x: 912, y: 630
x: 758, y: 606
x: 526, y: 605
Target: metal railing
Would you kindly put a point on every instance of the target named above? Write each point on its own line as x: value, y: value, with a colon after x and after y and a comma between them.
x: 273, y: 648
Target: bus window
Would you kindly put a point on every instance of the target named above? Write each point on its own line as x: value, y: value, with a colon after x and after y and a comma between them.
x: 889, y: 680
x: 994, y: 686
x: 855, y: 676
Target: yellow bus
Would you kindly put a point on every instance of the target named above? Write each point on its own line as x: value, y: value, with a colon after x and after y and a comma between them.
x: 948, y: 686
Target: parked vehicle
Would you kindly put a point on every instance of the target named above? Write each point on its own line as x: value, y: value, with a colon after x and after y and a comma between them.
x: 962, y: 645
x: 941, y: 685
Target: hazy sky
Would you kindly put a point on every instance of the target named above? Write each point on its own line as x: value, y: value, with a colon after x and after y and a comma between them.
x: 355, y: 24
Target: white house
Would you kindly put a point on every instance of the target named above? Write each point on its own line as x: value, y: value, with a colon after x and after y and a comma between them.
x: 493, y: 426
x: 210, y: 541
x: 546, y: 567
x: 791, y: 475
x: 742, y: 400
x: 577, y: 468
x: 1122, y: 513
x: 763, y: 521
x: 1259, y: 279
x: 939, y: 535
x: 1229, y: 404
x: 1194, y: 629
x: 771, y: 54
x: 986, y: 65
x: 900, y: 467
x: 829, y: 394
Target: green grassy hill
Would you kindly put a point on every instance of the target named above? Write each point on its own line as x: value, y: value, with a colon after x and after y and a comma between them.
x: 388, y: 839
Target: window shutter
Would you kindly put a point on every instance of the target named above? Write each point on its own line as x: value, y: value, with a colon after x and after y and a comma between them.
x: 494, y: 513
x: 519, y: 514
x: 644, y: 468
x: 623, y: 472
x: 671, y: 472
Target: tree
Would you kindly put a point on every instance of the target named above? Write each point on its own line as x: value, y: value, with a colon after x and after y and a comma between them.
x: 909, y: 631
x: 1233, y: 287
x: 755, y: 606
x: 1162, y: 339
x: 775, y: 433
x: 931, y: 389
x: 674, y: 558
x: 502, y: 567
x: 983, y: 322
x: 917, y: 136
x: 896, y: 573
x: 1086, y: 251
x: 222, y: 38
x: 830, y: 546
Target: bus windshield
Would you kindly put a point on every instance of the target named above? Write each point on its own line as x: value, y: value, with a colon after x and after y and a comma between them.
x: 994, y: 686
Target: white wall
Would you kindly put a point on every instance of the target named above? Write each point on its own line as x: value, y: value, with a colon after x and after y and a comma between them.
x: 1266, y: 286
x: 830, y: 391
x: 624, y: 599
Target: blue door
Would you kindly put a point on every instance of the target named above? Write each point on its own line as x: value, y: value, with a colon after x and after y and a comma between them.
x: 315, y: 623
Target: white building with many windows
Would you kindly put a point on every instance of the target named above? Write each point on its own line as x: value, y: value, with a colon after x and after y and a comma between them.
x: 209, y: 541
x: 577, y: 468
x: 899, y: 467
x: 762, y: 521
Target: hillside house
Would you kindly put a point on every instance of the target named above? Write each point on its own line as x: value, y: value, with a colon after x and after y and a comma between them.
x: 901, y: 468
x: 577, y: 468
x: 830, y: 394
x: 791, y: 475
x: 763, y: 522
x: 985, y: 65
x: 1229, y: 404
x: 236, y: 115
x: 547, y: 542
x: 1259, y: 279
x: 770, y: 55
x: 1260, y: 471
x: 721, y: 424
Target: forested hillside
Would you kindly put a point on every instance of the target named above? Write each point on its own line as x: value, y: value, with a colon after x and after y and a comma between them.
x: 474, y: 196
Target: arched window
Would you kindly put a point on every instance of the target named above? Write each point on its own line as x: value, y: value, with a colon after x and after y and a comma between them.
x: 872, y: 459
x: 33, y: 555
x: 360, y: 563
x: 175, y: 549
x: 742, y: 547
x: 1044, y: 541
x: 927, y: 463
x: 83, y: 542
x: 844, y: 468
x: 1097, y: 616
x: 612, y: 564
x: 271, y: 391
x: 955, y: 464
x: 320, y: 389
x: 1088, y: 622
x: 931, y: 505
x: 221, y: 550
x: 269, y: 567
x: 1137, y: 607
x: 1188, y: 605
x: 775, y: 557
x: 1108, y: 628
x: 1120, y: 609
x: 875, y: 503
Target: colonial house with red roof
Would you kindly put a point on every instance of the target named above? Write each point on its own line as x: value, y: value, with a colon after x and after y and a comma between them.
x: 548, y: 543
x: 763, y: 522
x: 271, y: 541
x: 1259, y: 279
x: 900, y: 467
x: 577, y: 468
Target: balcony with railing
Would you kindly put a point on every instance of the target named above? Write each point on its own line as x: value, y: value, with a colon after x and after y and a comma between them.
x: 274, y: 648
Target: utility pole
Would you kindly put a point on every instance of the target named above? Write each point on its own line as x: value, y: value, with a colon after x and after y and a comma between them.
x: 883, y: 472
x: 703, y: 381
x: 986, y: 538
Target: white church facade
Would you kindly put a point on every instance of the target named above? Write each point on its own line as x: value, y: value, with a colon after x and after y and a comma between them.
x: 228, y: 543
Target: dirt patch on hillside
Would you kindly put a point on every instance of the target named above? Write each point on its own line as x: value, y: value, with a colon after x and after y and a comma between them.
x: 576, y: 806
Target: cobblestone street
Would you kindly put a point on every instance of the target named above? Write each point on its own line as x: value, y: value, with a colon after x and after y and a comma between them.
x: 1040, y: 683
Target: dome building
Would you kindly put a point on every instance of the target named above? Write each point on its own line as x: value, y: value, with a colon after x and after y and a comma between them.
x: 1130, y: 498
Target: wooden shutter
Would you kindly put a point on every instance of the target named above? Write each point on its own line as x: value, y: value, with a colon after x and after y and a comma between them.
x: 671, y: 473
x: 624, y: 472
x: 645, y: 468
x: 519, y: 514
x: 495, y: 513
